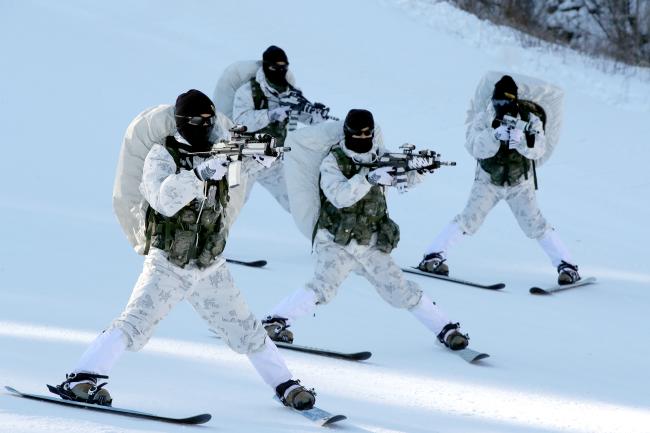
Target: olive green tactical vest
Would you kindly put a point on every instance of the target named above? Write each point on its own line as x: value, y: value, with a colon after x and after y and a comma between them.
x: 196, y: 232
x: 508, y: 165
x: 359, y: 221
x: 277, y: 130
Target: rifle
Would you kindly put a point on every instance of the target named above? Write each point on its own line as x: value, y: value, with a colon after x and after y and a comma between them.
x: 514, y: 123
x: 400, y: 161
x: 299, y: 104
x: 243, y: 143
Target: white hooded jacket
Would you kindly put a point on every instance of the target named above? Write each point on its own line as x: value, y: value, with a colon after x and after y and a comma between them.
x: 343, y: 192
x: 244, y: 111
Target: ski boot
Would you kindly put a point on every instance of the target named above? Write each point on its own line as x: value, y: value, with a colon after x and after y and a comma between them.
x: 83, y: 387
x: 291, y: 393
x: 452, y: 338
x: 276, y: 328
x: 567, y: 273
x: 434, y: 264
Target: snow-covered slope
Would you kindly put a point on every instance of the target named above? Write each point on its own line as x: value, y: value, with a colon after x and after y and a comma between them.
x: 75, y: 73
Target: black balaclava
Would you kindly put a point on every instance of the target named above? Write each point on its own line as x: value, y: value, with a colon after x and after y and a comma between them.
x: 504, y: 97
x: 359, y: 122
x: 270, y: 59
x: 189, y: 108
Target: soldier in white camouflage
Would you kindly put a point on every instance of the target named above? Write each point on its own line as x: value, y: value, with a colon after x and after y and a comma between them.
x: 187, y: 193
x: 505, y: 171
x: 261, y: 105
x: 354, y: 233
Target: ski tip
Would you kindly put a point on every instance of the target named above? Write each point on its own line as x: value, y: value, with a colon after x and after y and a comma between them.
x: 471, y: 355
x: 480, y: 356
x: 196, y: 419
x: 361, y: 356
x: 12, y: 390
x: 252, y: 264
x: 333, y: 419
x: 538, y: 291
x: 498, y: 286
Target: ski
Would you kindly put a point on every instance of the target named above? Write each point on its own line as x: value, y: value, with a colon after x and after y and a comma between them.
x: 470, y: 355
x: 350, y: 356
x: 315, y: 414
x: 559, y: 288
x: 252, y: 264
x: 196, y: 419
x: 414, y: 270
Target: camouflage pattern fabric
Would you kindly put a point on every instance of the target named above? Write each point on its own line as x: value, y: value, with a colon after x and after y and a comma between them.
x: 334, y: 262
x: 211, y: 291
x: 521, y: 198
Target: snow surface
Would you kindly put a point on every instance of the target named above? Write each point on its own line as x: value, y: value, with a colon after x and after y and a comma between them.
x: 75, y: 73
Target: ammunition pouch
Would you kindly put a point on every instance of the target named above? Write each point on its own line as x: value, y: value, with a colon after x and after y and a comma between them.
x: 506, y: 167
x: 388, y: 236
x: 182, y: 248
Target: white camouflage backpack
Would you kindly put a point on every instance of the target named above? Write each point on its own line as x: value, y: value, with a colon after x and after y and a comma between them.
x: 548, y: 96
x: 232, y: 78
x: 148, y: 128
x: 309, y: 146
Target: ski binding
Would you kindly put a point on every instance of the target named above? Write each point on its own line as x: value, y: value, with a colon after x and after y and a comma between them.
x: 315, y: 414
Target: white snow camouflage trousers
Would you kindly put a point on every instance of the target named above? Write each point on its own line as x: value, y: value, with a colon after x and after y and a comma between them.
x: 211, y: 291
x: 521, y: 198
x: 334, y: 262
